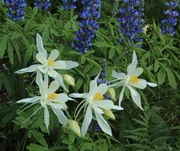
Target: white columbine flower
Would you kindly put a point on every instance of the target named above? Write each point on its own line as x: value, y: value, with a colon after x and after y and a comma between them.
x: 48, y: 97
x: 49, y: 64
x: 131, y: 80
x: 95, y: 102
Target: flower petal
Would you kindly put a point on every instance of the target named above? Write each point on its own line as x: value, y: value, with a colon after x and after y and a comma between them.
x: 121, y: 95
x: 53, y: 55
x: 65, y: 65
x: 141, y: 84
x: 102, y: 88
x: 105, y: 104
x: 103, y: 124
x: 62, y: 97
x: 53, y: 87
x: 52, y: 72
x: 152, y: 84
x: 39, y: 44
x: 60, y: 115
x: 133, y: 64
x: 39, y: 79
x: 59, y: 79
x: 46, y: 117
x: 77, y: 95
x: 118, y: 75
x: 136, y: 97
x: 29, y: 100
x: 135, y: 72
x: 31, y: 68
x: 41, y: 58
x: 87, y: 120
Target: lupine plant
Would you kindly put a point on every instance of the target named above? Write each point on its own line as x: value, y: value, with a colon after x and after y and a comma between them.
x: 131, y: 21
x: 16, y: 9
x: 167, y: 24
x: 88, y: 25
x: 42, y: 4
x: 68, y: 4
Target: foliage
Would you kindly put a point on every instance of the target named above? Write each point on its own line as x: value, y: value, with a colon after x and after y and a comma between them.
x: 155, y: 129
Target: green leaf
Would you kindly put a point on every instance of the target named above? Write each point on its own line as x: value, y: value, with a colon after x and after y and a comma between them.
x: 161, y: 76
x: 3, y: 46
x: 111, y: 53
x: 35, y: 147
x: 102, y: 45
x: 40, y: 138
x: 171, y: 78
x: 10, y: 53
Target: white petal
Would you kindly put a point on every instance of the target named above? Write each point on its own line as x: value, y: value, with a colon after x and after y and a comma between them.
x: 46, y: 117
x: 135, y: 72
x: 141, y: 84
x: 77, y: 95
x: 102, y: 88
x: 53, y: 87
x: 53, y: 55
x: 152, y: 84
x: 31, y: 68
x: 87, y: 120
x: 93, y: 85
x: 121, y: 95
x: 42, y: 69
x: 60, y: 115
x: 65, y: 65
x: 103, y: 124
x: 133, y: 64
x: 105, y: 104
x: 52, y: 73
x: 62, y: 97
x: 39, y: 79
x: 136, y: 97
x: 59, y: 79
x: 118, y: 75
x: 41, y: 58
x: 29, y: 100
x: 116, y: 107
x: 97, y: 109
x: 39, y: 44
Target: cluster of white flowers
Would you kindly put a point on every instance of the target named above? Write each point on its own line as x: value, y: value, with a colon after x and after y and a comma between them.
x: 94, y: 101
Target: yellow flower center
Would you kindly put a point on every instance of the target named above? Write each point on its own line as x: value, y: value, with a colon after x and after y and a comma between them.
x: 134, y: 79
x: 50, y: 63
x: 52, y: 96
x: 98, y: 96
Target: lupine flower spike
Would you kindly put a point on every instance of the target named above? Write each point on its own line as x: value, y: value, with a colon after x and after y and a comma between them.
x: 131, y: 21
x: 95, y: 103
x: 88, y: 25
x: 167, y: 25
x: 42, y: 4
x: 49, y: 65
x: 68, y: 4
x: 48, y: 97
x: 131, y: 80
x: 16, y: 9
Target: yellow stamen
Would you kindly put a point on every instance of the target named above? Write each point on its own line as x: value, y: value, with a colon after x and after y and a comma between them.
x: 50, y: 62
x: 52, y: 96
x: 134, y: 79
x: 98, y: 96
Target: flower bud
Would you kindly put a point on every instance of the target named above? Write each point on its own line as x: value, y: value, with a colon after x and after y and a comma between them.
x: 145, y: 28
x: 112, y: 93
x: 75, y: 127
x: 109, y: 114
x: 70, y: 80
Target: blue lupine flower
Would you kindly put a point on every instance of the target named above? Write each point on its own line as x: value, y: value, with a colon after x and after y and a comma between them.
x: 42, y: 4
x: 68, y: 4
x: 88, y: 25
x: 167, y: 25
x: 131, y: 21
x: 16, y: 9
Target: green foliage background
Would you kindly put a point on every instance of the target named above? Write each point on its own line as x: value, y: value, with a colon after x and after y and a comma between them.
x: 155, y: 129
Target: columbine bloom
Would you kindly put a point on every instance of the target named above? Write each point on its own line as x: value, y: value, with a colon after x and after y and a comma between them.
x: 167, y: 25
x: 42, y: 4
x: 131, y: 80
x: 16, y: 9
x: 49, y: 64
x: 95, y: 103
x: 49, y: 97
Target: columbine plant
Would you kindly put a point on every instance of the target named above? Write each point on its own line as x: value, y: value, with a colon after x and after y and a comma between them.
x: 131, y: 80
x: 49, y: 65
x: 48, y: 97
x: 95, y: 103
